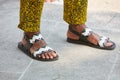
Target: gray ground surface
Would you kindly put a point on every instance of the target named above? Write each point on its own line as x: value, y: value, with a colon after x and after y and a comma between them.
x: 77, y: 62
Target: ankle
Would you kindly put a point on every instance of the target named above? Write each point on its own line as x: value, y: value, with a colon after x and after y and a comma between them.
x: 30, y: 34
x: 77, y: 27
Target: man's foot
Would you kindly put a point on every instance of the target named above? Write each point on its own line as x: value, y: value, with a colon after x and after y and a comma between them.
x: 34, y: 45
x: 82, y: 34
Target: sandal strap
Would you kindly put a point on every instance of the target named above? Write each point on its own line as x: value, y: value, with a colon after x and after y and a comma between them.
x: 28, y: 44
x: 86, y: 32
x: 102, y: 41
x: 36, y: 37
x: 84, y: 35
x: 42, y: 50
x: 73, y: 31
x: 26, y: 38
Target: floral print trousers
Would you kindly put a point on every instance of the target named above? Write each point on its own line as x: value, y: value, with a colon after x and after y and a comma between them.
x: 75, y: 12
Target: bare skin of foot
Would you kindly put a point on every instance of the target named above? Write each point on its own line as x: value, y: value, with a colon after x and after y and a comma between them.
x: 37, y: 45
x: 92, y: 38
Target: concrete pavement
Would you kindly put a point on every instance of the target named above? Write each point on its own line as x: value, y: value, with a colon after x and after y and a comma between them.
x: 77, y: 62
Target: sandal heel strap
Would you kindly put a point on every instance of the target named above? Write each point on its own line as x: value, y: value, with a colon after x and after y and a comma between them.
x: 85, y: 32
x: 73, y: 31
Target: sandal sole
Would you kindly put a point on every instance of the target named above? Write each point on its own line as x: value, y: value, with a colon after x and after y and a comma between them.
x: 90, y: 44
x: 27, y: 52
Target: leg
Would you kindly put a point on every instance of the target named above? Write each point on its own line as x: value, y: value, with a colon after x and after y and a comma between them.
x: 30, y: 13
x: 32, y: 42
x: 75, y: 11
x: 75, y: 14
x: 50, y: 0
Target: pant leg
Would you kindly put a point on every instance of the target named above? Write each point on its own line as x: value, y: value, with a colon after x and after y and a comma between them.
x: 30, y: 14
x: 75, y: 11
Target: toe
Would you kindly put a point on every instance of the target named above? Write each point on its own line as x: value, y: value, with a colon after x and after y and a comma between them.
x: 43, y: 56
x: 46, y: 55
x: 39, y: 56
x: 50, y: 55
x: 108, y: 44
x: 53, y: 54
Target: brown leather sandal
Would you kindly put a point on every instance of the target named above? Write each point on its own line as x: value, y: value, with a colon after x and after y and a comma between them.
x: 26, y: 48
x: 84, y: 39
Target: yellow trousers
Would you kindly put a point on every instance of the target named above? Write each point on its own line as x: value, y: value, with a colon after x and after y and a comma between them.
x: 75, y: 12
